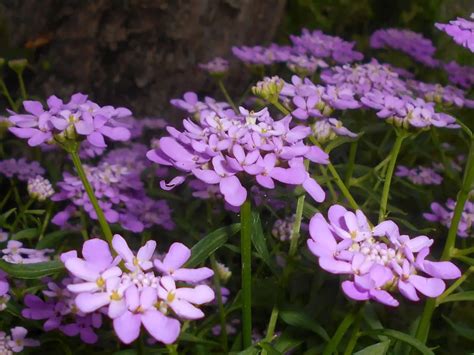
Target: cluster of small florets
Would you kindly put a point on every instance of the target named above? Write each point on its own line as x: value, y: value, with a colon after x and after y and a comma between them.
x: 443, y: 214
x: 21, y: 169
x: 305, y: 55
x: 406, y: 41
x: 420, y: 175
x: 283, y: 228
x: 16, y: 341
x: 461, y: 30
x: 40, y: 188
x: 216, y: 67
x: 318, y: 103
x: 461, y: 75
x: 120, y: 193
x: 60, y: 122
x: 377, y: 260
x: 446, y: 95
x: 58, y: 310
x: 16, y: 253
x: 133, y: 294
x: 223, y: 147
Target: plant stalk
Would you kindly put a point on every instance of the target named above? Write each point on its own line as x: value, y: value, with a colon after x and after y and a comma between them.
x: 246, y: 250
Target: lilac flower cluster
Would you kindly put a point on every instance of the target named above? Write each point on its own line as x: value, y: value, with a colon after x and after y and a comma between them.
x: 16, y: 253
x: 63, y: 121
x: 4, y: 290
x: 420, y: 175
x: 133, y: 295
x: 377, y: 260
x: 40, y: 188
x: 120, y: 193
x: 461, y: 75
x: 216, y: 67
x: 223, y: 146
x: 406, y: 41
x: 444, y: 214
x: 319, y: 102
x: 16, y: 341
x: 21, y: 169
x: 283, y: 228
x: 59, y: 312
x: 446, y: 95
x: 461, y: 30
x: 307, y: 53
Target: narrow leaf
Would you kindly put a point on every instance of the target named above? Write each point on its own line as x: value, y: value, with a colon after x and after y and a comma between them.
x: 302, y: 320
x: 29, y: 233
x: 260, y: 242
x: 210, y: 243
x: 460, y: 296
x: 32, y: 271
x: 395, y: 334
x: 461, y: 330
x: 376, y: 349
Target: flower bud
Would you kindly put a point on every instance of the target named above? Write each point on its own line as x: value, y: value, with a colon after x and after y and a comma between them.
x: 18, y: 65
x: 40, y: 188
x: 269, y: 88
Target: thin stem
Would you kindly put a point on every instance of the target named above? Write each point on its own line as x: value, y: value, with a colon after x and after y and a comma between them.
x: 271, y: 324
x: 221, y: 85
x: 5, y: 198
x: 6, y: 93
x: 295, y: 233
x: 329, y: 183
x: 331, y: 347
x: 388, y: 177
x: 354, y: 336
x: 24, y: 95
x: 49, y: 209
x: 449, y: 247
x: 21, y: 213
x: 246, y: 250
x: 220, y: 304
x: 342, y: 187
x: 351, y: 163
x: 455, y: 285
x: 90, y: 193
x: 280, y: 107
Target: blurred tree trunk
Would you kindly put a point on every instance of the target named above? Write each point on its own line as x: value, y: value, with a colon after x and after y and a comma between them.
x: 136, y: 53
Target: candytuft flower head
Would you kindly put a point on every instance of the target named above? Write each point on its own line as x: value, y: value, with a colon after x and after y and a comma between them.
x: 40, y: 188
x: 377, y: 260
x: 217, y: 67
x: 461, y: 30
x: 16, y: 341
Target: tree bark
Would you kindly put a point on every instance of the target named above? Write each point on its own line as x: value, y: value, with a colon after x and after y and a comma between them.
x: 137, y: 53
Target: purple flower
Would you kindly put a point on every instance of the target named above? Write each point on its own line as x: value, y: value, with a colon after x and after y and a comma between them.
x: 21, y: 169
x: 17, y: 341
x: 84, y: 327
x: 444, y: 214
x: 60, y: 121
x: 461, y: 75
x: 411, y: 43
x: 420, y: 175
x: 217, y: 66
x: 461, y: 30
x: 376, y: 258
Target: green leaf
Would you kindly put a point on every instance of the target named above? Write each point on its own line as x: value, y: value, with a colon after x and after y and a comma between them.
x: 309, y: 210
x: 194, y: 339
x: 29, y: 233
x: 461, y: 330
x: 210, y: 243
x: 460, y: 296
x: 126, y: 352
x: 32, y: 271
x: 4, y: 216
x: 269, y: 348
x: 35, y: 212
x: 260, y: 242
x: 249, y: 351
x: 376, y: 349
x: 52, y: 239
x: 302, y: 320
x: 395, y: 334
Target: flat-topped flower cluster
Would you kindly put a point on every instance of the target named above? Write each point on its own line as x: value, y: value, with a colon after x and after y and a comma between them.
x: 224, y: 147
x: 376, y: 260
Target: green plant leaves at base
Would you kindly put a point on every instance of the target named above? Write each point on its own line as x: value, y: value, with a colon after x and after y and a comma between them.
x: 395, y: 334
x: 460, y: 296
x: 461, y: 330
x: 259, y: 241
x: 376, y: 349
x: 302, y: 320
x: 52, y: 240
x: 210, y: 243
x: 29, y: 233
x: 32, y: 271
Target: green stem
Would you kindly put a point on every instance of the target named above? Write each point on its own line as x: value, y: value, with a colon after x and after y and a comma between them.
x: 468, y: 179
x: 6, y: 93
x: 295, y: 233
x: 329, y: 183
x: 5, y: 198
x: 220, y: 304
x: 354, y: 336
x: 388, y: 177
x: 49, y: 209
x: 345, y: 191
x: 21, y: 213
x: 221, y: 85
x: 246, y: 250
x: 331, y: 347
x: 272, y: 323
x: 280, y: 107
x: 351, y: 163
x: 24, y: 95
x: 90, y: 193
